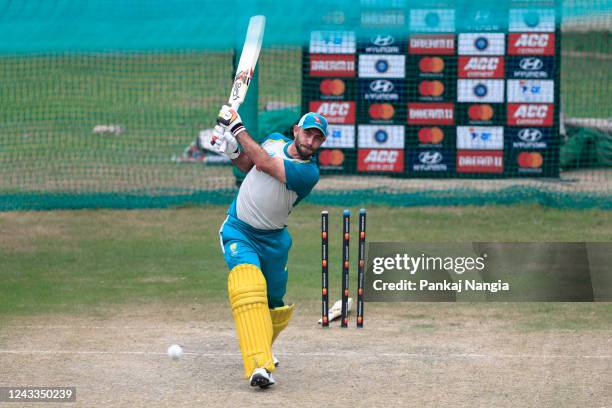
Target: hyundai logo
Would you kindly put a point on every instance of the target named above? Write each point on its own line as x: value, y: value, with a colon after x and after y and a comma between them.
x: 382, y: 40
x: 381, y: 86
x: 430, y: 157
x: 531, y: 64
x: 530, y: 135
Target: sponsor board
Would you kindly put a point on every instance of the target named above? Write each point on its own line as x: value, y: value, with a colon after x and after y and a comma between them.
x: 381, y: 90
x: 433, y: 44
x: 531, y: 44
x: 531, y: 91
x: 531, y: 67
x: 332, y: 159
x: 381, y: 43
x: 430, y: 161
x: 482, y: 44
x: 340, y: 136
x: 332, y: 65
x: 524, y: 114
x: 332, y: 42
x: 480, y: 67
x: 529, y: 137
x: 380, y: 160
x: 480, y: 161
x: 336, y: 112
x: 382, y: 66
x: 431, y: 114
x: 432, y: 20
x: 480, y: 137
x: 381, y: 136
x: 531, y: 20
x: 480, y: 90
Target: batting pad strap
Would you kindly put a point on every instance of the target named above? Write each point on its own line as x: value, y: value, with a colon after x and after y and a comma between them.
x: 280, y: 319
x: 247, y: 292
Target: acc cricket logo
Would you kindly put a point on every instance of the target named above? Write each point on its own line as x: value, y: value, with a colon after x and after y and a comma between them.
x: 531, y: 44
x: 335, y: 112
x: 530, y: 115
x: 381, y: 160
x: 481, y: 67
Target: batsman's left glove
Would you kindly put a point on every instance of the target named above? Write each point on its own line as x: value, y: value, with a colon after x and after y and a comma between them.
x: 230, y: 119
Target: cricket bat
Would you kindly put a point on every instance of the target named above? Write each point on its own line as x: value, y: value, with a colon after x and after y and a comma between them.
x: 246, y: 65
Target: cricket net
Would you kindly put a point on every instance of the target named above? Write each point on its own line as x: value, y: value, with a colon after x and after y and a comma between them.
x: 502, y: 104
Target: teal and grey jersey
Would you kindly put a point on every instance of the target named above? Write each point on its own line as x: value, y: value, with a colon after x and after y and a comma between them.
x: 264, y: 202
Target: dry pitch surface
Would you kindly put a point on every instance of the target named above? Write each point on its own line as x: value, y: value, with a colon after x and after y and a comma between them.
x: 408, y: 355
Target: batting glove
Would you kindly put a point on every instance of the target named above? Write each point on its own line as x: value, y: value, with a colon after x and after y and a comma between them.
x: 230, y: 119
x: 226, y: 144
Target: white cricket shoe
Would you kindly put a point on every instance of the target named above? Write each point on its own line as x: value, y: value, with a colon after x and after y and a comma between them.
x: 261, y: 378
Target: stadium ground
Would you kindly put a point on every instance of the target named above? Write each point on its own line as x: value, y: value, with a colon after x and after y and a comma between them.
x: 93, y: 298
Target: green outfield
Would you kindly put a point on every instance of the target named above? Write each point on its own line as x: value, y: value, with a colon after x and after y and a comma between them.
x: 82, y: 261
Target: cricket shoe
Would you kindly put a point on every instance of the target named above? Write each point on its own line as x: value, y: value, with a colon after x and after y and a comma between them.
x: 261, y: 378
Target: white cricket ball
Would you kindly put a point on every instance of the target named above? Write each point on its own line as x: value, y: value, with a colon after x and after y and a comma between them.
x: 175, y: 351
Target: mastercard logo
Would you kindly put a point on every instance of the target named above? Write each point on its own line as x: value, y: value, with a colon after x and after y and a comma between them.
x: 431, y: 65
x: 333, y: 157
x: 480, y: 112
x: 431, y: 88
x: 381, y: 111
x: 532, y: 160
x: 335, y: 87
x: 433, y: 135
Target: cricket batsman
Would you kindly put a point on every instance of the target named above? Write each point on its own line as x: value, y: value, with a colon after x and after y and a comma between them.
x: 254, y: 238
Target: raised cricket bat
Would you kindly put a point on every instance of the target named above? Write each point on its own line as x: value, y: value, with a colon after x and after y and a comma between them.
x: 246, y: 65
